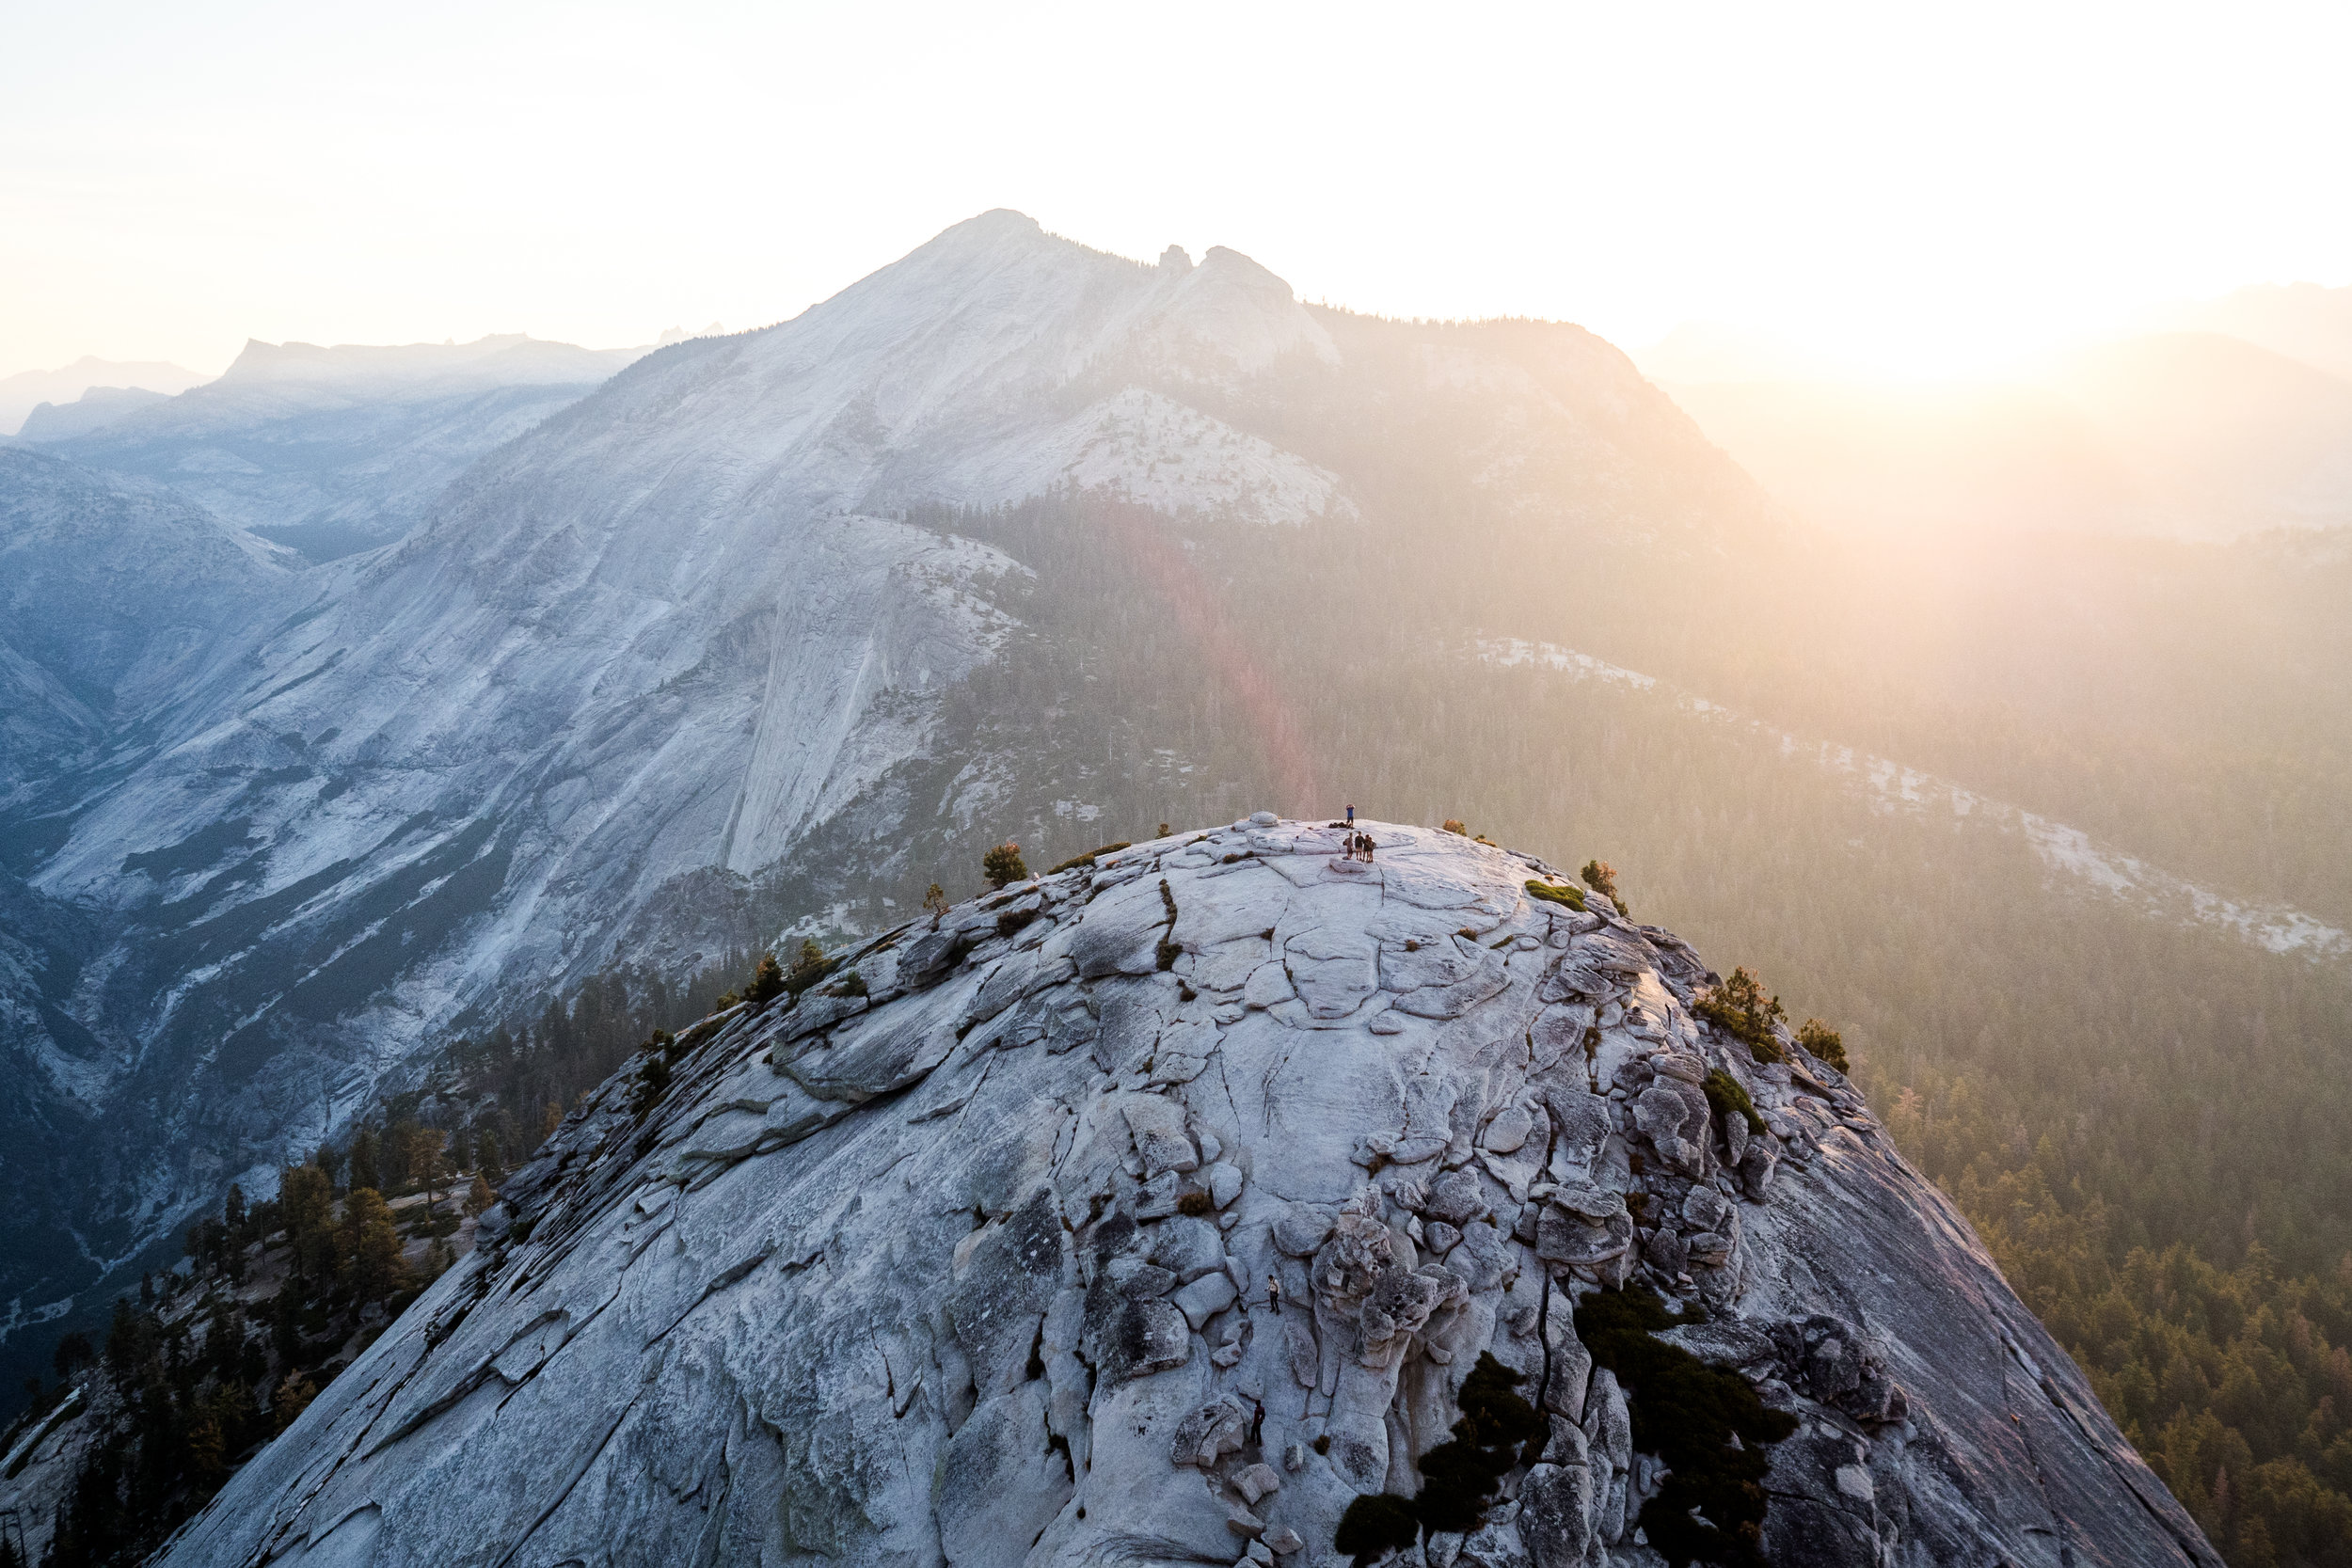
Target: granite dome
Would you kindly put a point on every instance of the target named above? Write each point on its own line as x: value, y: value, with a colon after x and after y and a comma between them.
x: 1152, y: 1212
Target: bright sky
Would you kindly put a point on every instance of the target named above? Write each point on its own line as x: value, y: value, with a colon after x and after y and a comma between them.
x: 1914, y: 187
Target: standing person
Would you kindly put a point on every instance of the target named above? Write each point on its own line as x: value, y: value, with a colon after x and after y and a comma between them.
x: 1351, y: 819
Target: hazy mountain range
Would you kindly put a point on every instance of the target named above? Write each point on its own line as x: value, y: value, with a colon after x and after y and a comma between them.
x: 330, y: 450
x: 25, y: 391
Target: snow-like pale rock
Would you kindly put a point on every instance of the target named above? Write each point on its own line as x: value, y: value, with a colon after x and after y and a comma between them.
x: 917, y: 1277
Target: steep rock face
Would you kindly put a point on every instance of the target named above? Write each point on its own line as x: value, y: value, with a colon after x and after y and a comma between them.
x: 1155, y: 1211
x: 116, y: 599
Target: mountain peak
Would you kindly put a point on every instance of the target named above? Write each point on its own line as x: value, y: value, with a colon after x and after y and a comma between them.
x: 1181, y: 1196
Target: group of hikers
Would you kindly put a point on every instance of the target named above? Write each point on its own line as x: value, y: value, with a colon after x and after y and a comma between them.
x: 1360, y: 846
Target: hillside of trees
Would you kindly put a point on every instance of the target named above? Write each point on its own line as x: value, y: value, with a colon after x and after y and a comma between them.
x: 209, y: 1361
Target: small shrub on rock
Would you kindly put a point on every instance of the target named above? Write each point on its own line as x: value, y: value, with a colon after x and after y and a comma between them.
x: 809, y: 966
x: 1497, y: 1431
x: 1708, y: 1425
x: 1194, y: 1203
x: 1739, y: 1009
x: 935, y: 901
x: 1454, y: 825
x: 1602, y: 878
x: 1824, y: 1042
x: 1003, y: 867
x: 1376, y: 1524
x: 767, y: 982
x: 652, y: 1082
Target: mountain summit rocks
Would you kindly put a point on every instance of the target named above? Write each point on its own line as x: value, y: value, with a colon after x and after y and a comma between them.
x: 1160, y: 1225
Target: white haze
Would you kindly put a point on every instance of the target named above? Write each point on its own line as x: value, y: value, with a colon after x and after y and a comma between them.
x: 1911, y: 188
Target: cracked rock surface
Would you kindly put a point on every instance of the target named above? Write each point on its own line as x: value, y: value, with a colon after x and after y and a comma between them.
x: 1159, y: 1226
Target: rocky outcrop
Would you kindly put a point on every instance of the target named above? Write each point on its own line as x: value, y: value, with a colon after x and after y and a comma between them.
x: 1163, y: 1223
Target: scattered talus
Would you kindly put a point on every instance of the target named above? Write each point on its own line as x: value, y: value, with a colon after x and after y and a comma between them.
x: 1153, y: 1211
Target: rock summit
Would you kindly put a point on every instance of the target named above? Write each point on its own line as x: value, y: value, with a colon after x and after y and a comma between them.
x: 1157, y: 1210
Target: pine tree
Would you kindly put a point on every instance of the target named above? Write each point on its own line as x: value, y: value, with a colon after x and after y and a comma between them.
x: 370, y: 1246
x: 293, y: 1398
x: 767, y: 981
x: 363, y: 1161
x: 1003, y: 865
x: 1602, y: 878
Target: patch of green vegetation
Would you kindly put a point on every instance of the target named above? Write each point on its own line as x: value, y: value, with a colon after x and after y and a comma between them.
x: 1824, y: 1042
x: 1089, y: 857
x: 809, y: 966
x: 1739, y: 1009
x: 1725, y: 1093
x: 1011, y: 921
x: 1550, y: 893
x: 1705, y: 1422
x: 1376, y: 1524
x: 1497, y: 1432
x: 652, y: 1082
